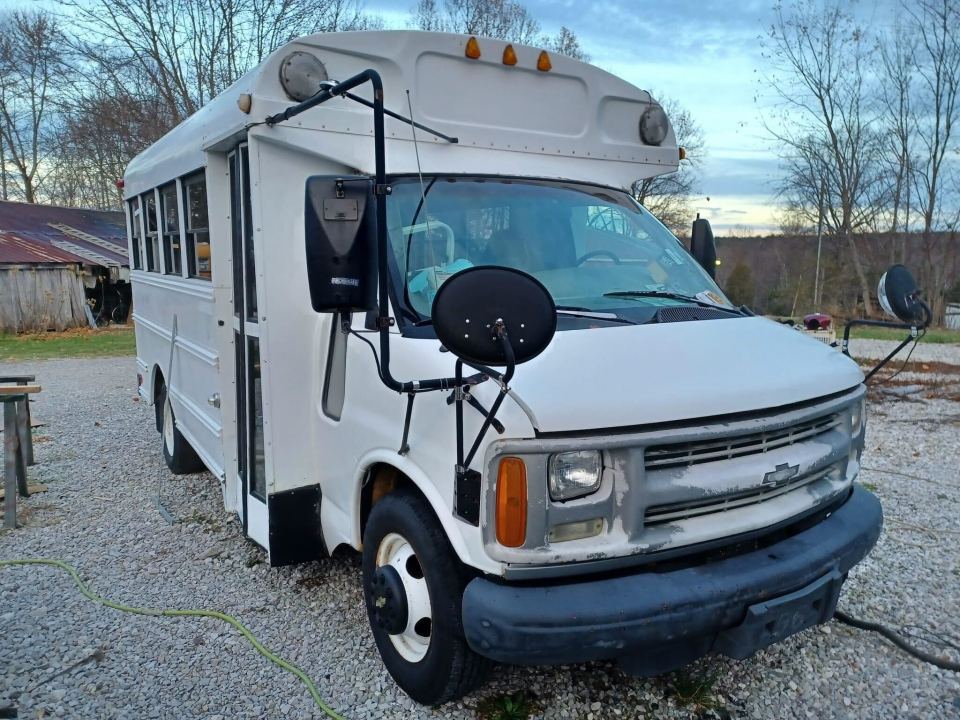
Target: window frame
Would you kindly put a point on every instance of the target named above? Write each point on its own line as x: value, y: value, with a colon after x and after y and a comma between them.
x: 135, y: 232
x: 190, y: 233
x: 171, y: 240
x: 153, y: 255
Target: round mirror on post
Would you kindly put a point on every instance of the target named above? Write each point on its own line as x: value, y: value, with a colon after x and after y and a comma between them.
x: 899, y: 295
x: 469, y: 304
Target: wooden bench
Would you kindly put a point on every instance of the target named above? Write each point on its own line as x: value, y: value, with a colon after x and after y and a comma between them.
x: 15, y: 391
x: 26, y: 437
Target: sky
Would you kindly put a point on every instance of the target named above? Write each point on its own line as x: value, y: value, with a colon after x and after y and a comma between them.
x: 705, y: 55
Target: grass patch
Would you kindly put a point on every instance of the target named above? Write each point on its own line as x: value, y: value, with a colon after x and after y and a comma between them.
x: 933, y: 335
x: 515, y: 706
x: 78, y: 342
x: 869, y: 486
x: 695, y: 691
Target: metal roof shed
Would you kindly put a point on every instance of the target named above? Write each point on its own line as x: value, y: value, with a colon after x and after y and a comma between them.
x: 47, y: 254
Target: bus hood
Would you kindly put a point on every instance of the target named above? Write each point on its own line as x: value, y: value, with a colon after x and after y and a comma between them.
x: 622, y: 376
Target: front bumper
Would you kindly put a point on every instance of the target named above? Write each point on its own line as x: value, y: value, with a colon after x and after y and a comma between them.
x: 657, y: 621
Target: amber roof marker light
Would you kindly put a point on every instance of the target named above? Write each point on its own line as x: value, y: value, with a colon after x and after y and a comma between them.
x: 543, y: 61
x: 509, y: 55
x: 473, y: 49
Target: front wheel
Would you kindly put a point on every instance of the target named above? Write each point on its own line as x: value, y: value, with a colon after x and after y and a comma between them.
x: 413, y: 587
x: 181, y: 459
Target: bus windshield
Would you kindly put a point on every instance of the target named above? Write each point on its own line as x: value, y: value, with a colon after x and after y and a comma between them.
x: 593, y: 248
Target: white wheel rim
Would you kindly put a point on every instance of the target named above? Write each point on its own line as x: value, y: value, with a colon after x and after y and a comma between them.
x: 168, y: 425
x: 412, y: 643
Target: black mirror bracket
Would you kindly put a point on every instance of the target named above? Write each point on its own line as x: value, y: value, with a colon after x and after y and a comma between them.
x: 913, y: 328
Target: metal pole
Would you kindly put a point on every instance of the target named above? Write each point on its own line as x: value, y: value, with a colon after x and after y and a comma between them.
x: 10, y: 452
x: 816, y: 277
x: 3, y: 171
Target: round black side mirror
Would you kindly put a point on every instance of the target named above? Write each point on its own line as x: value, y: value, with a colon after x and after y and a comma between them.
x: 468, y: 306
x: 899, y: 296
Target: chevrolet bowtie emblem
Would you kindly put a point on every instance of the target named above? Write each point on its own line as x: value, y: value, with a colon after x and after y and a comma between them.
x: 781, y: 474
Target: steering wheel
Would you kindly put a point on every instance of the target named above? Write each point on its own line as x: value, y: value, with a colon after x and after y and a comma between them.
x: 598, y: 253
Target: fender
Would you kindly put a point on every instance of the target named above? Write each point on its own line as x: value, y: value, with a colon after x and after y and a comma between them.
x: 388, y: 456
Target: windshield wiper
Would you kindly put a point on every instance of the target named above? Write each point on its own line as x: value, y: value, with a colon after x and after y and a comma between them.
x: 583, y: 312
x: 570, y: 310
x: 671, y: 296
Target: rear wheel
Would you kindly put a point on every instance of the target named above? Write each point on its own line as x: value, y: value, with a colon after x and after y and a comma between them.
x: 413, y: 587
x: 179, y: 456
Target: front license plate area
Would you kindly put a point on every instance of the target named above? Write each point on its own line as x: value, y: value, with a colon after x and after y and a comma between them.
x: 773, y: 620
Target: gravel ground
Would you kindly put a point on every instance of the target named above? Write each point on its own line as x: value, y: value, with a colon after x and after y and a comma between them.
x: 62, y: 656
x: 924, y: 352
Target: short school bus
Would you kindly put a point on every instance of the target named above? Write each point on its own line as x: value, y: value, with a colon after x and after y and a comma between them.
x: 612, y: 462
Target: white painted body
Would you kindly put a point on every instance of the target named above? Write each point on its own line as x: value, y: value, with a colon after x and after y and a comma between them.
x: 575, y: 122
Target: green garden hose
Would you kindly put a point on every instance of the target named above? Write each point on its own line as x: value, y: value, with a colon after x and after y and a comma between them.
x: 170, y: 612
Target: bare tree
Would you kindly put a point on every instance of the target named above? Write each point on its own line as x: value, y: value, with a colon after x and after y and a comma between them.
x: 105, y: 127
x: 190, y: 50
x: 819, y: 66
x: 898, y: 53
x: 667, y: 197
x: 566, y: 43
x: 32, y: 70
x: 934, y: 23
x: 503, y: 19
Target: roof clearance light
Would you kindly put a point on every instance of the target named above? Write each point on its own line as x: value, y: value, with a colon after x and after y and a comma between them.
x: 683, y: 153
x: 473, y: 49
x: 509, y: 55
x: 543, y: 62
x: 653, y: 125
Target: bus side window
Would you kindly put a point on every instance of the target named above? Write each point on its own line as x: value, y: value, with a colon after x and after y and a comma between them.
x: 136, y: 233
x: 170, y: 229
x: 153, y: 240
x: 198, y: 228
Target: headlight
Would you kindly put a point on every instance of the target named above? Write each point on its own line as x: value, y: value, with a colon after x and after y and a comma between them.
x: 654, y: 125
x: 857, y: 413
x: 574, y: 474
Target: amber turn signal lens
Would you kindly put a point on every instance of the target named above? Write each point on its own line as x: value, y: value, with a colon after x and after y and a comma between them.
x: 511, y: 502
x: 683, y: 153
x: 473, y: 48
x: 543, y: 62
x: 509, y: 55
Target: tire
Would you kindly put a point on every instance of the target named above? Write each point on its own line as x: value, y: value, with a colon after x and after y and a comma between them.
x: 179, y: 456
x: 402, y: 540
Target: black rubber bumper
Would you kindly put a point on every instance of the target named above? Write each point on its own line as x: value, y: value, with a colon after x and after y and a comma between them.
x: 698, y: 608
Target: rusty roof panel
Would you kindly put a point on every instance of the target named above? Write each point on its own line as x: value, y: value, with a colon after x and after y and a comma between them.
x: 28, y: 233
x: 15, y: 250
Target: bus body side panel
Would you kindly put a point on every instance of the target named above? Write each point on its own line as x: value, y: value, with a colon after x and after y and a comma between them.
x: 304, y: 445
x: 193, y: 376
x: 221, y: 259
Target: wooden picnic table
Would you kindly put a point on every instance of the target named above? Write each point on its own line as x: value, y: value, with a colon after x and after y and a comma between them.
x: 15, y: 392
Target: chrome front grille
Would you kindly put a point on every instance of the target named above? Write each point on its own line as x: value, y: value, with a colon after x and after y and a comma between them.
x: 671, y: 512
x: 662, y: 457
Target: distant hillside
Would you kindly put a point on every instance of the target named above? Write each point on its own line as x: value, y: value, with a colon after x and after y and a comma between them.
x: 775, y: 274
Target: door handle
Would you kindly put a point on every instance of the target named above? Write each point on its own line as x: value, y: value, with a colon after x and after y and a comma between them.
x: 214, y: 400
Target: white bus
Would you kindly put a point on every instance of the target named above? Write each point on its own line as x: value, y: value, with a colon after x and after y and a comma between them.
x: 611, y: 462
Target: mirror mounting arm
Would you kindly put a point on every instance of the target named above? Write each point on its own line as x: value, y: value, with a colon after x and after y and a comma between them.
x: 381, y: 190
x: 914, y: 329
